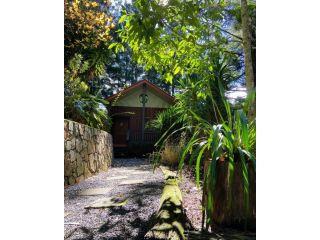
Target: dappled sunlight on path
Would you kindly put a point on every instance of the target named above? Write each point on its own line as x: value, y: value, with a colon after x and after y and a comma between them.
x: 131, y: 180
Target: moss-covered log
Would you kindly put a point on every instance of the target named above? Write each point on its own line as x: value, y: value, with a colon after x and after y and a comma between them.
x: 169, y: 223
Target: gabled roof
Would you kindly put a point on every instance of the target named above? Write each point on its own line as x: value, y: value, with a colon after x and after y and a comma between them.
x: 136, y: 85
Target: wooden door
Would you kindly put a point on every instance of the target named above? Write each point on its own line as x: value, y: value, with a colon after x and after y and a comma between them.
x: 120, y: 131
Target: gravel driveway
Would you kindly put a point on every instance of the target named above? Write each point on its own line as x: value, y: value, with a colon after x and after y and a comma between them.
x: 132, y: 179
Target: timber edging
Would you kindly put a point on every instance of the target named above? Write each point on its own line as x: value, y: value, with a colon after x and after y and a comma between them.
x: 170, y: 219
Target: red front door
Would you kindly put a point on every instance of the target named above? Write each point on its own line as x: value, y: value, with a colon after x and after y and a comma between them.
x: 120, y: 131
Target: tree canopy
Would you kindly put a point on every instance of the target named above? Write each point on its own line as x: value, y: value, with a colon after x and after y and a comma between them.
x: 87, y: 26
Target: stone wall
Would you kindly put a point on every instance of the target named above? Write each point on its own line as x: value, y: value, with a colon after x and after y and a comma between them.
x: 86, y: 151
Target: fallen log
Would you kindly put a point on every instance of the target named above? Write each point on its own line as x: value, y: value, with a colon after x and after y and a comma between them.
x: 169, y: 222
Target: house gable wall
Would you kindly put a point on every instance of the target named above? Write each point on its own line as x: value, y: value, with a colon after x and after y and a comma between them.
x: 131, y: 99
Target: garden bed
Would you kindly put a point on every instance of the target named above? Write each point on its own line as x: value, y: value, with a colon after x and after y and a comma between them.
x: 191, y: 198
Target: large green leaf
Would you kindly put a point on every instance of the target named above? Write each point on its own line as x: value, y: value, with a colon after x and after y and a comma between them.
x: 203, y: 148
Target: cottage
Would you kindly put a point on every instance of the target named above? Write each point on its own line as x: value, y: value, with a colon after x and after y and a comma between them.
x: 131, y: 109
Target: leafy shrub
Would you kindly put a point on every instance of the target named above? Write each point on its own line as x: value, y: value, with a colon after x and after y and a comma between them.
x: 79, y: 105
x: 87, y: 27
x: 164, y: 120
x: 232, y: 140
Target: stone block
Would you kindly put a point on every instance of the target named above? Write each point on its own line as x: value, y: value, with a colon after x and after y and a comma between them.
x: 91, y: 158
x: 92, y: 132
x: 66, y: 156
x: 78, y: 145
x: 132, y: 181
x: 80, y: 168
x: 91, y: 147
x: 72, y: 156
x: 67, y: 169
x: 87, y: 172
x: 84, y: 154
x: 104, y: 167
x: 79, y: 179
x: 78, y: 158
x: 73, y: 143
x: 95, y: 191
x: 97, y: 163
x: 84, y: 135
x: 68, y: 145
x: 80, y: 129
x: 92, y: 165
x: 72, y: 180
x: 66, y: 182
x: 107, y: 202
x: 97, y: 157
x: 76, y: 129
x: 84, y: 144
x: 99, y: 150
x: 70, y: 126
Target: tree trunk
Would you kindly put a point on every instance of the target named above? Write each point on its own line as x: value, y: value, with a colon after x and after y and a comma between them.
x: 229, y: 204
x: 247, y: 54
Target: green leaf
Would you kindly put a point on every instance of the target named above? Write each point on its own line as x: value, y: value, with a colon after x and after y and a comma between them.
x: 187, y: 148
x: 193, y: 155
x: 122, y: 18
x: 244, y: 127
x: 169, y: 78
x: 250, y: 156
x: 198, y: 164
x: 112, y: 45
x: 177, y: 70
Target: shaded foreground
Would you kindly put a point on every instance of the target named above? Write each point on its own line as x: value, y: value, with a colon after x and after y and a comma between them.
x: 137, y: 191
x: 131, y: 179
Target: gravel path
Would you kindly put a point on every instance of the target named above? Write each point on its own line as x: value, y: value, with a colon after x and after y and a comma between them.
x: 130, y: 221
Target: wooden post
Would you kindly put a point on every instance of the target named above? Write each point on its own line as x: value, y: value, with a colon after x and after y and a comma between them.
x: 144, y: 87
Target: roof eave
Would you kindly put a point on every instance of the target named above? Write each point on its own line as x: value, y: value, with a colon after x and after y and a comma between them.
x: 162, y: 93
